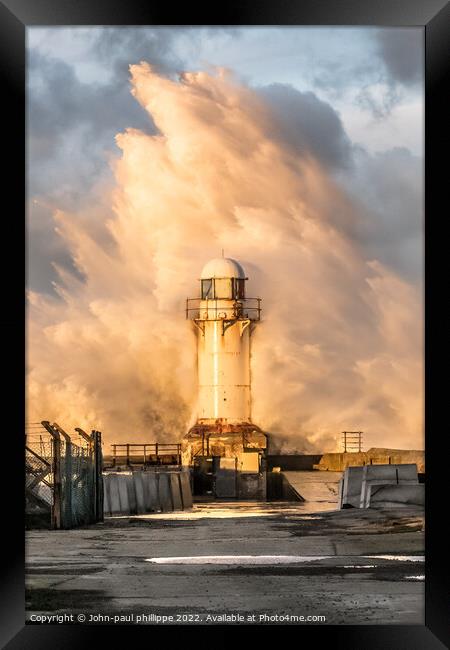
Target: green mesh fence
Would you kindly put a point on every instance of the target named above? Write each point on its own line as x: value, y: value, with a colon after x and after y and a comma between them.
x: 64, y: 476
x: 77, y: 485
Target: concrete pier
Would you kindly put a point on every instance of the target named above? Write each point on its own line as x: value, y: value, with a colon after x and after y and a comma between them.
x: 358, y: 566
x: 338, y: 462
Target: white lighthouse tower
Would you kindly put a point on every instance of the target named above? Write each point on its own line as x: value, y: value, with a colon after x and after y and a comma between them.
x: 224, y: 443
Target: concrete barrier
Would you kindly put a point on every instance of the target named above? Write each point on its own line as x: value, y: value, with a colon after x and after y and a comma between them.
x: 340, y: 491
x: 133, y: 493
x: 139, y: 490
x: 185, y: 488
x: 165, y: 498
x: 351, y: 487
x: 151, y: 491
x: 114, y: 498
x: 386, y: 475
x: 106, y: 497
x: 123, y: 494
x: 175, y: 491
x: 379, y: 495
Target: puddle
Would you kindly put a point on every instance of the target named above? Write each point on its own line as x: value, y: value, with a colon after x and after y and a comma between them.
x: 238, y: 559
x: 399, y: 558
x: 303, y: 517
x: 359, y: 566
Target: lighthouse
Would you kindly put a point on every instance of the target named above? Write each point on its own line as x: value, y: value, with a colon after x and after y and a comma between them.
x: 224, y: 448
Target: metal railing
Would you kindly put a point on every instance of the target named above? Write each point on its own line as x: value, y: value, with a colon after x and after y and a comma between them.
x: 152, y: 453
x: 214, y: 309
x: 352, y: 441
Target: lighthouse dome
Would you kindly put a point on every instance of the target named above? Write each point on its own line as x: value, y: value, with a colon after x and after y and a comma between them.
x: 222, y: 267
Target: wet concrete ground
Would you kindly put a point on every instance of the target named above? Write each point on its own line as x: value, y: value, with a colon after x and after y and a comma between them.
x: 300, y: 564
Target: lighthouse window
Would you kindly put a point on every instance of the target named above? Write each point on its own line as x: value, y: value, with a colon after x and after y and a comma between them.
x: 207, y: 290
x: 223, y: 288
x: 239, y: 291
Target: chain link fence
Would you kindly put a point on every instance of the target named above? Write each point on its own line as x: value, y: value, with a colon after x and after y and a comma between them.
x: 64, y: 484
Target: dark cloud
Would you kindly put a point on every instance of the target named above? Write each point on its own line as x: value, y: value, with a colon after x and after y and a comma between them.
x: 401, y: 50
x: 395, y: 65
x: 117, y: 47
x: 309, y: 124
x: 44, y: 251
x: 62, y: 109
x: 388, y: 188
x: 58, y: 101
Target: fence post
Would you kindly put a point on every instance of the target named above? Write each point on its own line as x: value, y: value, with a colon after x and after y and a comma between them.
x: 67, y: 515
x: 100, y: 477
x: 57, y: 488
x: 56, y: 469
x: 98, y: 483
x: 66, y: 496
x: 85, y: 436
x: 57, y: 491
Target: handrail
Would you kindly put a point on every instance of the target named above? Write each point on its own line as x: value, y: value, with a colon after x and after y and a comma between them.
x: 130, y: 451
x: 147, y: 444
x: 240, y: 308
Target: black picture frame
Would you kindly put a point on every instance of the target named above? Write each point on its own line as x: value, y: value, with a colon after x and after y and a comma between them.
x: 15, y: 16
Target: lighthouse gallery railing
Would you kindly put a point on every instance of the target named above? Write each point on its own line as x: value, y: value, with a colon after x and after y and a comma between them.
x: 247, y: 308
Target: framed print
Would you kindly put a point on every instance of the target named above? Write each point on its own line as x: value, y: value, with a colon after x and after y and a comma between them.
x: 230, y: 389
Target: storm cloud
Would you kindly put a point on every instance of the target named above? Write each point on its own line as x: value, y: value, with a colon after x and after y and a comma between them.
x: 401, y: 50
x: 309, y: 124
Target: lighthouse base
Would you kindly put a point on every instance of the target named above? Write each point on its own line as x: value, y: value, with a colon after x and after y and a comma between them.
x: 228, y: 461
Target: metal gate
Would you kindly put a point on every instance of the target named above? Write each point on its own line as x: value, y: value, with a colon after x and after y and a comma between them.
x: 226, y: 478
x: 64, y: 484
x: 38, y: 489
